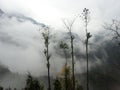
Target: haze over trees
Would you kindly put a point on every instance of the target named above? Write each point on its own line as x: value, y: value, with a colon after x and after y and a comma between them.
x: 46, y: 36
x: 94, y: 75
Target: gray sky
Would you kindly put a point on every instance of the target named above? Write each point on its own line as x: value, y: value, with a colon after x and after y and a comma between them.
x: 52, y: 11
x: 20, y: 43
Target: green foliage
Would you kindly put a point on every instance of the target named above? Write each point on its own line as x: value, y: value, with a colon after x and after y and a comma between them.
x: 79, y: 87
x: 69, y: 26
x: 1, y: 88
x: 62, y: 77
x: 63, y: 45
x: 33, y: 84
x: 57, y: 84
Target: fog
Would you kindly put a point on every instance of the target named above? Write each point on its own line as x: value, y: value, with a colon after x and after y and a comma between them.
x: 22, y: 44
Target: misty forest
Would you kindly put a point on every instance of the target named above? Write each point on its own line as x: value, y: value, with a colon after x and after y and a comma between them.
x: 83, y: 54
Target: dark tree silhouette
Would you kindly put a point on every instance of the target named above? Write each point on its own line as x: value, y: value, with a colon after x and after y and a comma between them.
x: 15, y: 88
x: 79, y: 87
x: 64, y: 46
x: 9, y: 88
x: 85, y: 16
x: 69, y: 28
x: 32, y: 83
x: 1, y: 88
x: 115, y: 28
x: 69, y: 78
x: 57, y: 84
x: 46, y: 36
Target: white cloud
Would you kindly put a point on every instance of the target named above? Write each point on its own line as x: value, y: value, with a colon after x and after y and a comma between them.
x: 22, y: 50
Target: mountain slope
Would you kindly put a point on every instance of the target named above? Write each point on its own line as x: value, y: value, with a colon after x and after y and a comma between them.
x: 21, y: 18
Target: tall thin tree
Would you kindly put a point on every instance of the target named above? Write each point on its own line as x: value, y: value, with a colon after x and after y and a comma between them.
x: 85, y: 16
x: 69, y: 26
x: 46, y: 36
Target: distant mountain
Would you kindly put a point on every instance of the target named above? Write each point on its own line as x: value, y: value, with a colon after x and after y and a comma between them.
x: 17, y: 22
x: 21, y: 18
x: 1, y: 12
x: 104, y: 58
x: 10, y: 79
x: 3, y: 70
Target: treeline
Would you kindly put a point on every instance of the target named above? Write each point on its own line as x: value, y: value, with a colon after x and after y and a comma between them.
x: 66, y: 80
x: 33, y: 83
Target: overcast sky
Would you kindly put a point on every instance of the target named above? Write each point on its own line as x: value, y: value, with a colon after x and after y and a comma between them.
x: 20, y: 43
x: 52, y: 11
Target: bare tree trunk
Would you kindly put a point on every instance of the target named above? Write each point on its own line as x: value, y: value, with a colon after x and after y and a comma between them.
x: 86, y: 21
x: 87, y: 64
x: 73, y: 73
x: 87, y: 38
x: 46, y: 52
x: 66, y: 80
x: 48, y: 66
x: 69, y: 27
x: 49, y: 76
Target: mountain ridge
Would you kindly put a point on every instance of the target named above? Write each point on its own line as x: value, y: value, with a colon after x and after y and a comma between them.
x: 21, y: 18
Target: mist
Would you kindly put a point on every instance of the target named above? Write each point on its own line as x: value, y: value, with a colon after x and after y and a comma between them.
x: 22, y: 45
